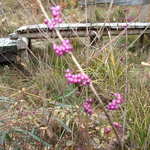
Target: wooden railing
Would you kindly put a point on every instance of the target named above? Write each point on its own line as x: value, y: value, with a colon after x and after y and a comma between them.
x: 79, y: 29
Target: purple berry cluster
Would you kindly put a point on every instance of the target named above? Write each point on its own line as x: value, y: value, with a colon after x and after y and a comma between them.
x: 62, y: 49
x: 56, y: 17
x: 87, y: 107
x: 77, y: 78
x: 118, y: 126
x: 126, y: 10
x: 107, y: 130
x: 129, y: 19
x: 114, y: 104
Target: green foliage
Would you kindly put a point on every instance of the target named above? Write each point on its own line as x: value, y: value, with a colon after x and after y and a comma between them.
x: 119, y: 14
x: 138, y: 117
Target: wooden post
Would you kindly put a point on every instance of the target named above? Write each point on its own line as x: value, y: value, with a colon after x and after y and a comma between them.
x: 145, y: 15
x: 145, y: 12
x: 22, y: 45
x: 91, y: 13
x: 97, y: 40
x: 141, y: 40
x: 23, y: 63
x: 144, y: 8
x: 7, y: 57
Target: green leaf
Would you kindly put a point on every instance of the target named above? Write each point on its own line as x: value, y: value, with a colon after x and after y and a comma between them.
x: 2, y: 137
x: 33, y: 136
x: 7, y: 137
x: 61, y: 97
x: 69, y: 143
x: 33, y: 129
x: 7, y: 99
x: 62, y: 124
x: 61, y: 105
x: 2, y: 121
x: 38, y: 139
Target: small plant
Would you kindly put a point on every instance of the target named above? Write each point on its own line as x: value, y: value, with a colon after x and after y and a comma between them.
x: 114, y: 105
x: 79, y: 78
x: 87, y: 107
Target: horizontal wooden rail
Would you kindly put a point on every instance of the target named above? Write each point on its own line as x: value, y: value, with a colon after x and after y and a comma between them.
x: 74, y: 29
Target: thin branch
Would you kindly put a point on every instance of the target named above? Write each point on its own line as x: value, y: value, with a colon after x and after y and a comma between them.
x: 87, y: 47
x: 125, y: 98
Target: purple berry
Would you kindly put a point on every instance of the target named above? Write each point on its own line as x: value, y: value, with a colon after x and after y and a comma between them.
x: 126, y: 10
x: 78, y: 93
x: 116, y: 124
x: 68, y: 71
x: 107, y: 130
x: 46, y: 21
x: 89, y: 101
x: 118, y: 101
x: 57, y: 8
x: 117, y: 95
